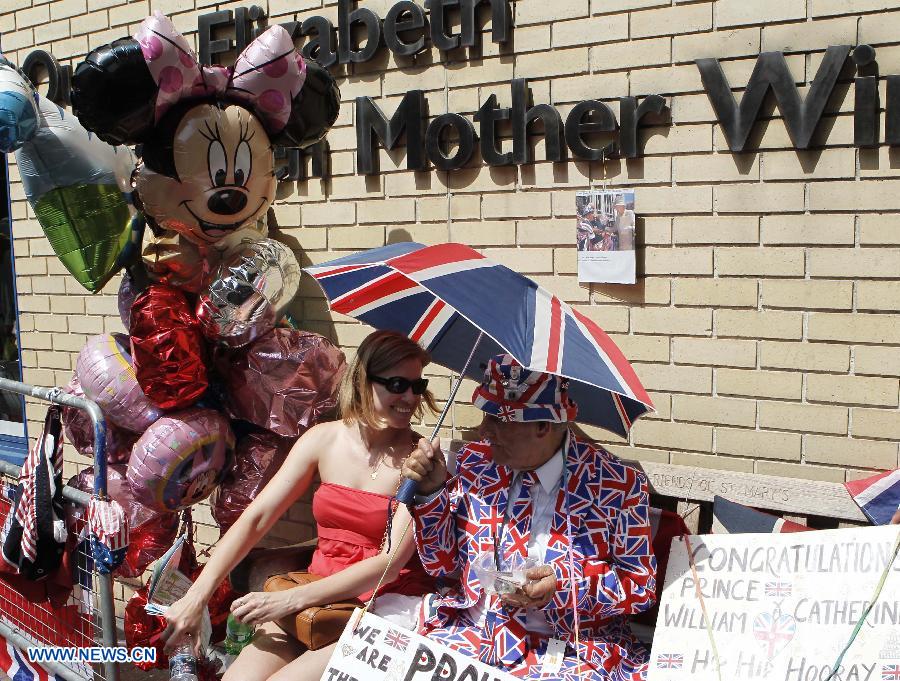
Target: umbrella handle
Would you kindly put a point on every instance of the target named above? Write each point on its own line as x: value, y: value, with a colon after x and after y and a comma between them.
x: 407, y: 491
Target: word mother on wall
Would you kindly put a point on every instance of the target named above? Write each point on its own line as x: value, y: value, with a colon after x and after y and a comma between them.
x: 360, y: 33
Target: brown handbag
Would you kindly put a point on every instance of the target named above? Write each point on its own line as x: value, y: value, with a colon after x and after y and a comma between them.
x: 318, y: 626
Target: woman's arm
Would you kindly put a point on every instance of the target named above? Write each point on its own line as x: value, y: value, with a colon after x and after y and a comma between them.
x: 288, y: 484
x: 257, y: 608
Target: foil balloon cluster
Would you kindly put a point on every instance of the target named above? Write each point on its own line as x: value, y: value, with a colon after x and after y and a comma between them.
x: 206, y: 356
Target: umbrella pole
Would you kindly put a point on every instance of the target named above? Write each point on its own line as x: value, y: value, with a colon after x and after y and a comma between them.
x: 407, y: 492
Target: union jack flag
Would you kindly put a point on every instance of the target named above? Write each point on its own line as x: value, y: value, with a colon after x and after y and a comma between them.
x: 14, y: 664
x: 670, y: 661
x: 878, y: 496
x: 444, y: 296
x: 778, y: 589
x: 396, y: 639
x: 890, y: 672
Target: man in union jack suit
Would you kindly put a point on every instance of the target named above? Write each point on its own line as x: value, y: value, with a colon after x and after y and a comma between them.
x: 532, y: 492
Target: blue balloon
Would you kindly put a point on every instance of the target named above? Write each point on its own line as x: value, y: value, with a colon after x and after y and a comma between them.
x: 18, y: 108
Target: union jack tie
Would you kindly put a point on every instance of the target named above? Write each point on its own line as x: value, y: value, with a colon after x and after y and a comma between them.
x: 506, y: 625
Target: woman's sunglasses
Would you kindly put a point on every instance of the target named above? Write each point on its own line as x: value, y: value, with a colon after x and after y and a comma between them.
x: 399, y: 385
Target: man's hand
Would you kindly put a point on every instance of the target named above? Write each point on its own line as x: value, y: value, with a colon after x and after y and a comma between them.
x: 426, y: 466
x: 537, y: 592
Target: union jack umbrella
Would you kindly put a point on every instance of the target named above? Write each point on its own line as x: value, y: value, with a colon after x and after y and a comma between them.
x: 446, y: 296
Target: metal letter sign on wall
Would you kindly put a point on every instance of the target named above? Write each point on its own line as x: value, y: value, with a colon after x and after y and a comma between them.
x: 590, y: 131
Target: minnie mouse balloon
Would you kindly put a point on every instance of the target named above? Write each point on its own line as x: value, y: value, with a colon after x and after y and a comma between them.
x: 249, y: 292
x: 107, y: 377
x: 181, y: 458
x: 207, y: 132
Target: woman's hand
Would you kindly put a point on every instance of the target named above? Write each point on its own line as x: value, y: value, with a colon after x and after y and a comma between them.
x: 184, y: 618
x: 260, y: 607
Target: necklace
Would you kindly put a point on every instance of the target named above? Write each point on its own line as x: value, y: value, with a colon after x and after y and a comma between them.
x: 374, y: 473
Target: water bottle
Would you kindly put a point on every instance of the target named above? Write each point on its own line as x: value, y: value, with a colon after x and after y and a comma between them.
x: 237, y: 635
x: 182, y: 663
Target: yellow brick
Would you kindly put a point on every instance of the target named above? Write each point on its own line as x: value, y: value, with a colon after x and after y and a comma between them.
x: 671, y: 261
x: 876, y: 423
x: 643, y: 348
x: 830, y: 7
x: 355, y: 238
x: 387, y: 211
x: 544, y: 232
x: 465, y: 206
x: 846, y: 451
x: 671, y: 21
x: 854, y: 328
x: 876, y: 230
x: 766, y: 444
x: 804, y: 356
x: 667, y: 80
x: 525, y: 260
x: 654, y: 231
x: 33, y: 16
x: 765, y: 262
x: 566, y: 289
x: 331, y: 213
x: 748, y: 198
x: 587, y: 31
x: 675, y: 140
x: 806, y: 418
x: 715, y: 410
x: 359, y: 187
x: 539, y: 12
x: 518, y: 204
x: 786, y: 385
x: 855, y: 262
x: 819, y: 164
x: 73, y: 47
x: 722, y: 463
x: 668, y: 378
x: 863, y: 196
x: 593, y: 86
x: 714, y: 352
x: 803, y: 471
x: 499, y: 70
x: 715, y: 292
x: 433, y: 209
x: 428, y: 234
x: 63, y: 9
x: 544, y: 175
x: 716, y: 230
x: 738, y: 13
x: 748, y: 324
x: 632, y: 54
x: 487, y: 233
x: 428, y: 78
x: 809, y: 295
x: 676, y: 321
x: 808, y: 36
x: 878, y: 295
x: 673, y: 435
x: 662, y: 405
x: 716, y: 168
x: 133, y: 12
x: 648, y: 291
x: 878, y: 361
x: 717, y: 44
x: 852, y: 390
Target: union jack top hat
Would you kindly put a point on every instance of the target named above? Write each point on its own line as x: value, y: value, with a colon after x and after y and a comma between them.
x: 513, y: 393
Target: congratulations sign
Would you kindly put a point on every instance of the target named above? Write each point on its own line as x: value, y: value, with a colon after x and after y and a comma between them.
x: 376, y: 650
x: 781, y: 607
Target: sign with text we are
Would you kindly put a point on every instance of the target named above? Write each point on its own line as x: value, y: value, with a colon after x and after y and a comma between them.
x: 780, y: 607
x: 375, y: 650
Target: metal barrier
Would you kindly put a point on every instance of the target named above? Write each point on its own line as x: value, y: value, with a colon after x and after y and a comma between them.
x: 85, y: 615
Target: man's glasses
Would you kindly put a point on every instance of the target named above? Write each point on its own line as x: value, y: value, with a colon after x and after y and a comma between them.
x: 399, y: 385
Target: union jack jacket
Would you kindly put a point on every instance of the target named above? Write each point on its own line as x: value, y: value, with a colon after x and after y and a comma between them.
x: 603, y: 503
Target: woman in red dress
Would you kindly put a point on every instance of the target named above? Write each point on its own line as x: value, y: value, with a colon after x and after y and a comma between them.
x: 358, y: 461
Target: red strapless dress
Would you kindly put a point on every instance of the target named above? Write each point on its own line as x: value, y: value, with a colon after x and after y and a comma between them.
x: 351, y: 526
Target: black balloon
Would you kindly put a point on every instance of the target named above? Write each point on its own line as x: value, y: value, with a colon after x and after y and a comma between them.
x: 314, y: 111
x: 113, y: 93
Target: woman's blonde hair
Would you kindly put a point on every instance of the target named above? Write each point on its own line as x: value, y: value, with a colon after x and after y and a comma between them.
x: 379, y: 352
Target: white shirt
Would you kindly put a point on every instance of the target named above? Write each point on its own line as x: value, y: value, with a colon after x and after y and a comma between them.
x: 543, y: 501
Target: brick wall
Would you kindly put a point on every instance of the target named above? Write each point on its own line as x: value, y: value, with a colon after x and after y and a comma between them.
x: 765, y: 324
